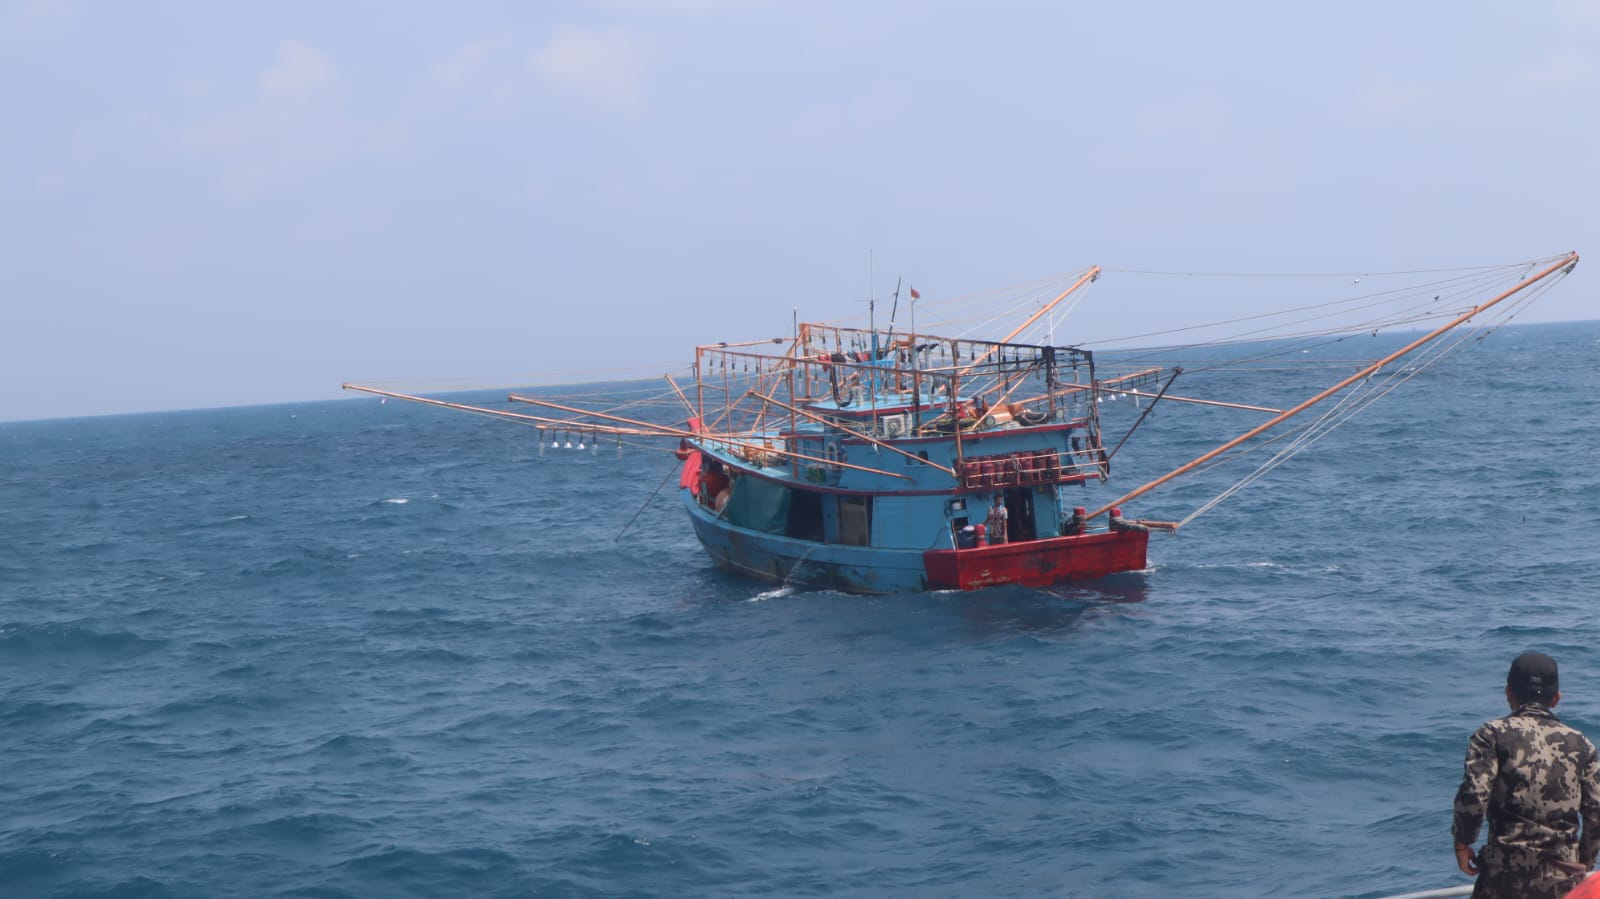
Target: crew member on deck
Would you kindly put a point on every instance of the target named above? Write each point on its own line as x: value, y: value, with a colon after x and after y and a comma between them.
x: 1536, y: 780
x: 995, y: 524
x: 714, y: 486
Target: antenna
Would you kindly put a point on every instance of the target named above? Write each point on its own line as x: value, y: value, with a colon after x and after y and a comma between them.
x: 872, y: 326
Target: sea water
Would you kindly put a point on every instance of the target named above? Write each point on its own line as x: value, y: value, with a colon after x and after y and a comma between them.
x: 352, y: 649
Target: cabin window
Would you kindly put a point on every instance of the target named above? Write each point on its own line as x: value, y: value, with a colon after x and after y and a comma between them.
x: 855, y: 520
x: 805, y: 515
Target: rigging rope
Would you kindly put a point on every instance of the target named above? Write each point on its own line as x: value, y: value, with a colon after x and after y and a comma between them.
x: 1359, y: 398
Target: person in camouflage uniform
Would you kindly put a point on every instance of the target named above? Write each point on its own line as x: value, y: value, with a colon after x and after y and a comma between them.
x: 1536, y: 780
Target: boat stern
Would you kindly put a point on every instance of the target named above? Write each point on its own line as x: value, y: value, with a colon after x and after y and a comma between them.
x: 1037, y: 563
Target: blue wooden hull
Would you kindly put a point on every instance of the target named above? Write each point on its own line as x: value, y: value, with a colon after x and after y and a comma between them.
x: 786, y: 560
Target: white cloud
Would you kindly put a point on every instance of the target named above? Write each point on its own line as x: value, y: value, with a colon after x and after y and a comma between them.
x: 297, y: 89
x: 34, y: 14
x: 195, y: 87
x: 674, y: 6
x: 1579, y: 12
x: 1561, y: 69
x: 846, y: 121
x: 300, y: 70
x: 296, y: 125
x: 31, y: 20
x: 1385, y: 100
x: 161, y: 249
x: 1196, y: 114
x: 45, y: 10
x: 51, y: 182
x: 487, y: 78
x: 467, y: 65
x: 602, y: 66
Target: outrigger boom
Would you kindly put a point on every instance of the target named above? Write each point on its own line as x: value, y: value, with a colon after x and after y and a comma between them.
x: 1565, y: 265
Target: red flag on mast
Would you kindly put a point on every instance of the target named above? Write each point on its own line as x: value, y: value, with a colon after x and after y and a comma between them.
x: 915, y: 295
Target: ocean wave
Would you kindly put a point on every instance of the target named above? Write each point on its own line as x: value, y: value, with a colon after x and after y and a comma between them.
x: 27, y: 714
x: 73, y: 638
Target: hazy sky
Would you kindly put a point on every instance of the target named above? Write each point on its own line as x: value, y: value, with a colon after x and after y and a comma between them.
x: 216, y: 204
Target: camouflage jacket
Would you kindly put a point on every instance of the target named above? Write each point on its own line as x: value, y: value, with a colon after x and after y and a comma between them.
x: 1535, y: 779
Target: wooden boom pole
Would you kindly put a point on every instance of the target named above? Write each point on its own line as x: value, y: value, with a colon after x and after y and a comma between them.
x: 460, y: 407
x: 679, y: 391
x: 1090, y: 275
x: 644, y: 429
x: 729, y: 439
x: 1566, y: 261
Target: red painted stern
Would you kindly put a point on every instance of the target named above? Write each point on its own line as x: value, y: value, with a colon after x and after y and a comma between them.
x: 1037, y: 563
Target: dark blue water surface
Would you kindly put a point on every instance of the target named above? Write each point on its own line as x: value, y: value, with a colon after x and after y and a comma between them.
x: 352, y: 649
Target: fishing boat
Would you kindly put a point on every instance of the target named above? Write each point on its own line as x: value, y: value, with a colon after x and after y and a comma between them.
x: 885, y: 459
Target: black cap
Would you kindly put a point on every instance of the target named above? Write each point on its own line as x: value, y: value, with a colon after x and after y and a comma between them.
x: 1533, y: 676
